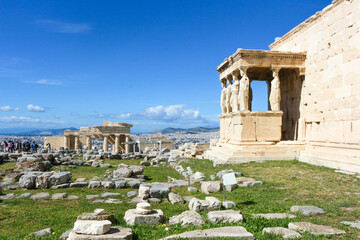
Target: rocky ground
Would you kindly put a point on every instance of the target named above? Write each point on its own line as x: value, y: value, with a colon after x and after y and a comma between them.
x: 166, y: 195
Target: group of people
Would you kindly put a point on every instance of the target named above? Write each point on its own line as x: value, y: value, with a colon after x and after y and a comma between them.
x: 18, y: 146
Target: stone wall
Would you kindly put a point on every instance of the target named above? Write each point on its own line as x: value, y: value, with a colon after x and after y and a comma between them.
x: 330, y: 97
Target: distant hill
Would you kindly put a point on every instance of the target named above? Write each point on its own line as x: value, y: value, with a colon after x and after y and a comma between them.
x: 39, y: 132
x: 188, y: 130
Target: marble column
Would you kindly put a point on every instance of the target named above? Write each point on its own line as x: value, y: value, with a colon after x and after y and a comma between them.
x: 77, y: 142
x: 106, y: 143
x: 66, y: 141
x: 117, y: 143
x: 89, y: 142
x: 127, y: 146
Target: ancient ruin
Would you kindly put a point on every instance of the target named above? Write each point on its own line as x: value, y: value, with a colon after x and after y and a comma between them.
x: 111, y: 133
x: 313, y: 80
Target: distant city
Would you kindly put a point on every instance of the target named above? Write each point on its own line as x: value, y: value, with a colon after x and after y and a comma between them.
x: 177, y: 135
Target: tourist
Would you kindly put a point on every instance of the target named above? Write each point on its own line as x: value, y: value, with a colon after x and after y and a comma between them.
x: 48, y: 146
x: 5, y: 146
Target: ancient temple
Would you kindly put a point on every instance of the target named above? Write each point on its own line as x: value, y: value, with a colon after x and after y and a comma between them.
x: 313, y: 79
x: 111, y: 133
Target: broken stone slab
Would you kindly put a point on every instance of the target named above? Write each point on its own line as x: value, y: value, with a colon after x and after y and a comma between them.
x: 115, y: 233
x: 154, y: 200
x: 228, y: 204
x: 231, y: 188
x: 27, y: 181
x: 231, y: 232
x: 60, y: 178
x: 94, y: 184
x: 66, y: 234
x: 214, y: 203
x: 8, y: 196
x: 24, y: 195
x: 187, y: 218
x: 59, y: 196
x: 120, y: 184
x: 122, y: 172
x: 144, y: 192
x: 307, y: 210
x: 175, y: 198
x: 355, y: 224
x: 283, y: 232
x: 78, y: 184
x: 131, y: 193
x: 72, y: 197
x: 240, y: 180
x: 80, y: 180
x: 188, y: 198
x: 64, y: 185
x: 134, y: 184
x: 92, y: 227
x: 42, y: 233
x: 108, y: 184
x: 274, y: 215
x: 198, y: 205
x: 192, y: 189
x: 109, y: 194
x: 251, y: 183
x: 91, y: 196
x: 98, y: 201
x: 223, y: 172
x: 210, y: 187
x: 112, y: 200
x: 226, y: 216
x: 314, y: 229
x: 137, y: 200
x: 159, y: 190
x: 40, y: 196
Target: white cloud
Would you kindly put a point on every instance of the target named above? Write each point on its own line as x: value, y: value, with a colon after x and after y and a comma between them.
x: 46, y: 82
x: 16, y: 119
x: 64, y: 27
x: 171, y: 113
x: 34, y: 108
x: 8, y: 109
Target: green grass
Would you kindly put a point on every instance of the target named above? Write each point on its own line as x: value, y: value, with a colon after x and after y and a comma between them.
x: 286, y: 183
x: 7, y: 165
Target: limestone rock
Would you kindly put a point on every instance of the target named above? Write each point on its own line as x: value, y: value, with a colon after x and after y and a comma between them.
x: 274, y: 215
x: 187, y: 218
x: 120, y: 184
x: 8, y: 196
x: 198, y: 205
x: 228, y: 204
x: 109, y: 194
x: 314, y: 229
x: 355, y: 224
x: 122, y: 172
x: 284, y: 232
x: 214, y: 203
x: 143, y: 208
x: 94, y: 184
x: 251, y: 183
x: 27, y: 181
x: 72, y: 197
x: 223, y: 172
x: 66, y: 234
x: 131, y: 193
x: 113, y: 201
x: 226, y: 216
x: 42, y: 181
x: 175, y: 198
x: 159, y: 191
x: 60, y: 178
x: 40, y: 196
x: 91, y: 196
x: 307, y: 210
x: 92, y: 227
x: 24, y: 195
x: 59, y: 196
x: 115, y: 233
x: 144, y: 192
x: 107, y: 184
x: 210, y: 187
x: 233, y: 232
x: 134, y: 184
x: 42, y: 233
x: 78, y: 184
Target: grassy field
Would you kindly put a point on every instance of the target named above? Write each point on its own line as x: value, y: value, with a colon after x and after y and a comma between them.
x: 286, y: 183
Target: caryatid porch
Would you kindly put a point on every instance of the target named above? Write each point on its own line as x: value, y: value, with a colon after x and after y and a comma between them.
x: 239, y: 126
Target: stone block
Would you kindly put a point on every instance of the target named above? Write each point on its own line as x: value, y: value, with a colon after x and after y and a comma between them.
x: 307, y: 210
x: 92, y: 227
x: 210, y: 187
x: 115, y: 233
x: 133, y: 218
x: 159, y: 191
x: 314, y: 229
x: 284, y: 232
x: 228, y: 204
x: 226, y: 216
x: 214, y: 203
x: 40, y: 196
x: 187, y: 218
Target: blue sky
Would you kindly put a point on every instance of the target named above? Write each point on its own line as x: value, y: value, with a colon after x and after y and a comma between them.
x: 149, y: 63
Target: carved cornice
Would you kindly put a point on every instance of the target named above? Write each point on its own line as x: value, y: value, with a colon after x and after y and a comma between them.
x: 260, y: 55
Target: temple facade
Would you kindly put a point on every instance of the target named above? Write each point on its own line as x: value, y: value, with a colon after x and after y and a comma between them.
x: 313, y: 79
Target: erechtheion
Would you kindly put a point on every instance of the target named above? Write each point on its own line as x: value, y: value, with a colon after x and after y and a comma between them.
x: 111, y: 133
x: 313, y: 78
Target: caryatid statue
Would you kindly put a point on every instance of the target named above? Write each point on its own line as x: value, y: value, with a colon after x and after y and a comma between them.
x: 275, y: 96
x: 244, y: 90
x: 228, y: 95
x: 235, y: 93
x: 223, y: 97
